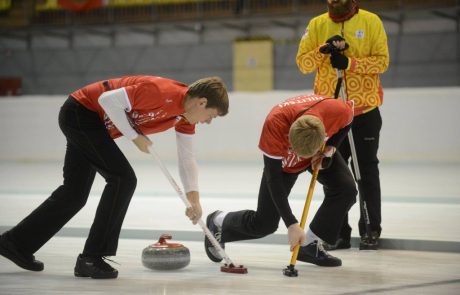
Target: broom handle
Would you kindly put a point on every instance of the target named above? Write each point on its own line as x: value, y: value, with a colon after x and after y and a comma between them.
x: 306, y: 207
x: 184, y: 199
x: 354, y: 158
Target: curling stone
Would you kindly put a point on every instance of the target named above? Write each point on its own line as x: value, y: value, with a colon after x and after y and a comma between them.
x: 165, y: 256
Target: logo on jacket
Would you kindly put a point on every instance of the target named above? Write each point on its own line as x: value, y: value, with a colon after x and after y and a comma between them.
x: 137, y: 118
x: 291, y: 160
x: 359, y: 34
x: 305, y: 34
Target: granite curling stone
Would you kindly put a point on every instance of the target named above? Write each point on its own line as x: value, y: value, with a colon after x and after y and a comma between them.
x: 165, y: 256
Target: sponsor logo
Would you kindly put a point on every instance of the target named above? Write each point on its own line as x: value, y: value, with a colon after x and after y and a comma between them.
x: 137, y: 118
x: 359, y: 34
x: 291, y: 160
x: 299, y: 99
x: 305, y: 34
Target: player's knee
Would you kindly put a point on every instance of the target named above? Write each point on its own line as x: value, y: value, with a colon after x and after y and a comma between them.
x: 350, y: 192
x: 128, y: 182
x: 72, y: 197
x: 125, y: 183
x: 268, y: 228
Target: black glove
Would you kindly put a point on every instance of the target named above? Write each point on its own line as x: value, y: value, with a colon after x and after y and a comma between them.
x: 326, y: 162
x: 335, y: 38
x: 329, y: 47
x: 323, y: 158
x: 339, y: 61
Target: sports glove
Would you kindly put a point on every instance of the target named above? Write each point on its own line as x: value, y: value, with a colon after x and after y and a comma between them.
x: 329, y: 46
x: 339, y: 61
x: 335, y: 38
x: 323, y: 160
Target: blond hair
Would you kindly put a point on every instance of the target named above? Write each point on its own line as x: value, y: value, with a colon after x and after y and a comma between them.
x: 215, y: 91
x: 306, y: 135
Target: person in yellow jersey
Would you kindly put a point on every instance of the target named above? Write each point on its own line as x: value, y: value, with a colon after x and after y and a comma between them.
x: 353, y: 41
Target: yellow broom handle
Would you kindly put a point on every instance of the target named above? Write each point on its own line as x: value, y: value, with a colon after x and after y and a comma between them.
x: 305, y: 209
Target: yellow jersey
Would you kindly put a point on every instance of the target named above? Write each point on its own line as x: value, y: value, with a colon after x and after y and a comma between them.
x: 368, y: 57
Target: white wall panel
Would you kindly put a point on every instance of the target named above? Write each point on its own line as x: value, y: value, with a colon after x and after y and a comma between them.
x: 419, y: 124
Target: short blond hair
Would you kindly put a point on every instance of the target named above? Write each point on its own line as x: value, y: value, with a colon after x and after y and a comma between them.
x: 306, y: 135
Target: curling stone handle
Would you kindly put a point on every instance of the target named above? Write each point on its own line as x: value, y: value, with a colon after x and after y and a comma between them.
x: 163, y: 238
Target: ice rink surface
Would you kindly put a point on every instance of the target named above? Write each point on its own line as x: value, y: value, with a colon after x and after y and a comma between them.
x: 363, y: 272
x: 421, y: 210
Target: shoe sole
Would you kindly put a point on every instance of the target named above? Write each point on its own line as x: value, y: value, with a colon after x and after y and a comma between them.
x: 95, y: 277
x: 208, y: 244
x: 368, y: 247
x: 335, y: 264
x: 8, y: 255
x: 369, y: 244
x: 77, y: 274
x: 83, y: 275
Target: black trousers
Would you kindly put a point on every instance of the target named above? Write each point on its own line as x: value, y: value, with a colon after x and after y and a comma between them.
x: 340, y: 195
x: 89, y: 150
x: 366, y: 133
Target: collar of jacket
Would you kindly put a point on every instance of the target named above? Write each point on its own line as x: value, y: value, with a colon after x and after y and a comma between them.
x: 341, y: 18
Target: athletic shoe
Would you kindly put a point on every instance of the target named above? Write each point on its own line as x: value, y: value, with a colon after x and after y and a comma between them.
x: 339, y: 244
x: 216, y: 231
x: 94, y: 267
x: 369, y: 244
x: 315, y: 253
x: 26, y: 261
